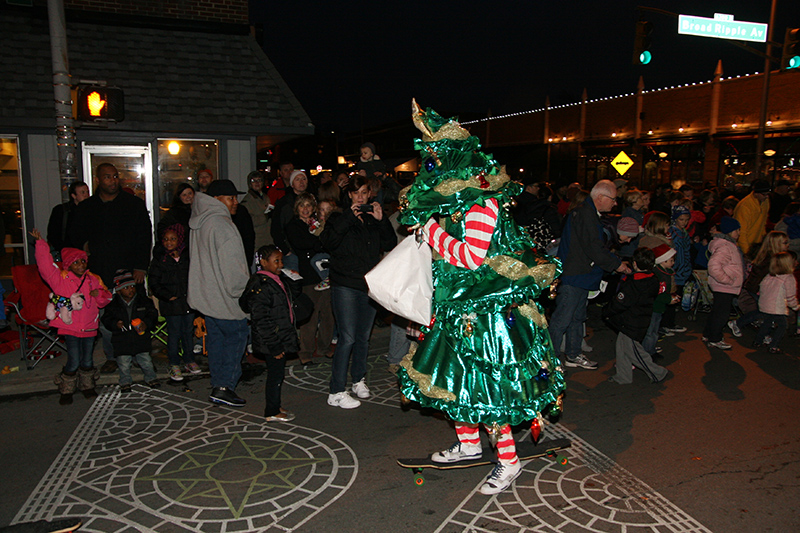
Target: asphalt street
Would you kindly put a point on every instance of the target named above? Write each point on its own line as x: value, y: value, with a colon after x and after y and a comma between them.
x: 714, y: 448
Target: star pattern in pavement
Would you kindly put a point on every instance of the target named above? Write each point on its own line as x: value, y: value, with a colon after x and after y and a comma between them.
x: 232, y: 471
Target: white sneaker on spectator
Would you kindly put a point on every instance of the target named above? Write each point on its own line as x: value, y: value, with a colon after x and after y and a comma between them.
x: 734, y: 327
x: 580, y: 361
x: 458, y: 452
x: 722, y: 345
x: 361, y: 390
x: 343, y: 400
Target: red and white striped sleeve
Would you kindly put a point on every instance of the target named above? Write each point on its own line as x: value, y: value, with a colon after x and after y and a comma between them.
x: 480, y: 223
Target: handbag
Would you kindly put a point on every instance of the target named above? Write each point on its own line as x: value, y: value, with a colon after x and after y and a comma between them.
x: 402, y: 282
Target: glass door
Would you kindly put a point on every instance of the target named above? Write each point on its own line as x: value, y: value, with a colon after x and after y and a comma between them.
x: 134, y: 164
x: 12, y: 219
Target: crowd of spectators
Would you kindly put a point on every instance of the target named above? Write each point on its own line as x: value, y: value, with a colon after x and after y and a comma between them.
x: 330, y: 229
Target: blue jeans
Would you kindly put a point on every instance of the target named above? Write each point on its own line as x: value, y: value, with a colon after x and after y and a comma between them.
x: 354, y: 312
x: 226, y: 341
x: 79, y: 353
x: 180, y: 331
x: 651, y: 337
x: 399, y: 344
x: 315, y: 264
x: 105, y: 338
x: 780, y: 322
x: 568, y: 318
x: 145, y: 363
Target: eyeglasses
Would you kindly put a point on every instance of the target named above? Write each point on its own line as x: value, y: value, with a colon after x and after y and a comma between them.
x: 611, y: 197
x: 256, y: 179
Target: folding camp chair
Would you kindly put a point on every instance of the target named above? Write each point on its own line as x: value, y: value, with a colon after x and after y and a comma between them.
x: 29, y: 300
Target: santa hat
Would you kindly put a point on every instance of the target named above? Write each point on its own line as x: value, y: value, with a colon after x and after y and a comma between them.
x: 662, y: 253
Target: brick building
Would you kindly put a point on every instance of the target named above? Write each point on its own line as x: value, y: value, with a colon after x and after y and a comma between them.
x: 695, y: 133
x: 198, y: 90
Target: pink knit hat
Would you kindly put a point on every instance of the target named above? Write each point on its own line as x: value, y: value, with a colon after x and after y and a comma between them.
x: 70, y: 255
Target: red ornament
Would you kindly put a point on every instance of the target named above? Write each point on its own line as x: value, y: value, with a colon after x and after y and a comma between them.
x: 482, y: 180
x: 536, y: 430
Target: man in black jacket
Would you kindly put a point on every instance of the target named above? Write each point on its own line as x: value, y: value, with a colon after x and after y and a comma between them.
x: 61, y: 218
x: 585, y: 260
x: 115, y: 230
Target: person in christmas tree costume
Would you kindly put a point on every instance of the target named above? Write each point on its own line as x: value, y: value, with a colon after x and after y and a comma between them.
x: 486, y: 358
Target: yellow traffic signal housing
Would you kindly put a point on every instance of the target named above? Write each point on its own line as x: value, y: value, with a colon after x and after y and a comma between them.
x: 97, y: 103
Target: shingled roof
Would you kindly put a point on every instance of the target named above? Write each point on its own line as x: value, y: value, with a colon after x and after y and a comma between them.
x: 174, y: 80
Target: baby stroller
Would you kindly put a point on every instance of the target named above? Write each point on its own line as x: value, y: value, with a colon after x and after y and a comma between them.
x: 697, y: 295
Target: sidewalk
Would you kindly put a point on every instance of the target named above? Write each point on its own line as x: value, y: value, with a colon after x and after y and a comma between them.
x: 40, y: 378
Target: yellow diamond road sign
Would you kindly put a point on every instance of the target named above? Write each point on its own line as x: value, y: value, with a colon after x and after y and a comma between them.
x: 622, y: 163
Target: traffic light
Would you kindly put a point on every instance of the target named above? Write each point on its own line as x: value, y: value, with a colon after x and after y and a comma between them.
x: 641, y: 43
x: 791, y: 49
x: 97, y: 103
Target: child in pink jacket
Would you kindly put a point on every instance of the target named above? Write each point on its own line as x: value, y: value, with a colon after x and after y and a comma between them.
x: 725, y: 278
x: 777, y: 293
x: 74, y: 279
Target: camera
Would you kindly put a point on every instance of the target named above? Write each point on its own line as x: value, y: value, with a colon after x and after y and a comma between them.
x: 365, y: 208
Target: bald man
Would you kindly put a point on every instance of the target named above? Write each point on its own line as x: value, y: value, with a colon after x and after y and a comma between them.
x: 585, y: 261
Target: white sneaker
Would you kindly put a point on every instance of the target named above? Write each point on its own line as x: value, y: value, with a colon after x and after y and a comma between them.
x: 735, y: 328
x: 361, y: 390
x: 198, y: 348
x: 343, y: 400
x: 458, y: 452
x: 501, y: 478
x: 722, y: 345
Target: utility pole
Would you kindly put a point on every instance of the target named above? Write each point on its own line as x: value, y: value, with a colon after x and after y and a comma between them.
x: 62, y: 92
x: 762, y: 121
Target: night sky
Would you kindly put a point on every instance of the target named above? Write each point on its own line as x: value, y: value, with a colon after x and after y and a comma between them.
x: 358, y: 64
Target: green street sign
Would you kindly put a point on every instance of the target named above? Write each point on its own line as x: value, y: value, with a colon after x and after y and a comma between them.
x: 722, y: 27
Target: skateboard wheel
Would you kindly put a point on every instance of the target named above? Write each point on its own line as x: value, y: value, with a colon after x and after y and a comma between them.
x: 562, y: 459
x: 419, y: 480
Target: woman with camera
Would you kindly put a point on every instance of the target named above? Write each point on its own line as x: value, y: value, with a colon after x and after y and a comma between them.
x: 355, y: 239
x: 302, y: 233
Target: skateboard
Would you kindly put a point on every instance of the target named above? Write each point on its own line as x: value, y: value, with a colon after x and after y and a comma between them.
x: 67, y: 525
x: 525, y: 451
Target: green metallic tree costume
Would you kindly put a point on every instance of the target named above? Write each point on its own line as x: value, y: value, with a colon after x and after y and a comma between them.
x: 486, y: 357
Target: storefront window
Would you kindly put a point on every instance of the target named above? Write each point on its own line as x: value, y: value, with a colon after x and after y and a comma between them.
x: 179, y: 161
x: 780, y: 160
x: 675, y: 164
x: 12, y: 221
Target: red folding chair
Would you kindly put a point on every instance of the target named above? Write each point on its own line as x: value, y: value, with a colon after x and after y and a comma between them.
x: 37, y: 340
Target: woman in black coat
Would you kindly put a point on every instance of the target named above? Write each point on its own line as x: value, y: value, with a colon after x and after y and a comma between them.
x: 355, y: 239
x: 302, y: 233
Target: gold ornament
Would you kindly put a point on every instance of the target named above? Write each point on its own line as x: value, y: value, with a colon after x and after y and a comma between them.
x: 467, y: 321
x: 434, y: 155
x: 456, y: 217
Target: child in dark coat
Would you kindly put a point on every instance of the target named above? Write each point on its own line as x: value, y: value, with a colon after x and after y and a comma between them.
x: 269, y: 299
x: 169, y: 281
x: 630, y: 313
x: 130, y: 317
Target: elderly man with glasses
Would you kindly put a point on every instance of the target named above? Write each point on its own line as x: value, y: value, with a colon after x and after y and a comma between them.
x: 585, y: 261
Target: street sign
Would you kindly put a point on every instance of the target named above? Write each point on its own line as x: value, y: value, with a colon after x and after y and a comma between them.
x: 722, y: 27
x: 622, y: 163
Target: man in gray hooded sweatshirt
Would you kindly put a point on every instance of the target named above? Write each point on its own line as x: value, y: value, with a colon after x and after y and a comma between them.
x: 218, y: 275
